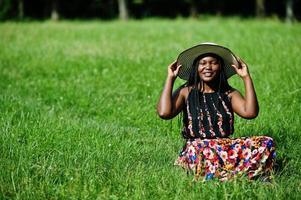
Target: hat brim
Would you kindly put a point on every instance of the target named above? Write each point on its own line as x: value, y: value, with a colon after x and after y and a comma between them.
x: 187, y: 57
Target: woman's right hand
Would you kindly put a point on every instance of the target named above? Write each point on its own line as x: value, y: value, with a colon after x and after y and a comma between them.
x: 241, y: 70
x: 173, y: 69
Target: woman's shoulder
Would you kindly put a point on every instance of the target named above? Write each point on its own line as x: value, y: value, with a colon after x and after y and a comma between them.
x: 184, y: 91
x: 232, y: 92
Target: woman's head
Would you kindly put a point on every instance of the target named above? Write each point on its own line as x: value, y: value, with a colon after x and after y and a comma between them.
x: 189, y: 55
x: 208, y: 68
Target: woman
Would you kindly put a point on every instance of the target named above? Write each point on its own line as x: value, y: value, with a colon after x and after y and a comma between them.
x: 207, y: 103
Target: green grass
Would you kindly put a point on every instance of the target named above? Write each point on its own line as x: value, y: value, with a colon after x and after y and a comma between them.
x: 78, y: 100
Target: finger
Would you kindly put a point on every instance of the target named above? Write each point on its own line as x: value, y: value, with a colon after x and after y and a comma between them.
x: 240, y: 64
x: 241, y: 61
x: 235, y: 67
x: 178, y: 68
x: 173, y: 65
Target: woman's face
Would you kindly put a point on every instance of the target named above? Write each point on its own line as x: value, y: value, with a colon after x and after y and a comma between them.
x: 208, y: 68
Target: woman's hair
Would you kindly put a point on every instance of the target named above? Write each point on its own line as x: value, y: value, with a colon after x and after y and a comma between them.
x: 194, y: 82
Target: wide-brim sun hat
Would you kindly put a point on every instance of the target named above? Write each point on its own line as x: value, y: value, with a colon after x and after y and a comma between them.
x: 187, y: 57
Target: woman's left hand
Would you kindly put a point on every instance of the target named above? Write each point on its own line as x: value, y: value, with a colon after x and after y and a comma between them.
x: 241, y: 70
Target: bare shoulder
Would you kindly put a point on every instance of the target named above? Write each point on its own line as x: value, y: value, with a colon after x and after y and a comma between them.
x: 184, y: 91
x: 233, y: 93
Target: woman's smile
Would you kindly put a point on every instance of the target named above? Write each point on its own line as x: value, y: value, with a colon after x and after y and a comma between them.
x: 208, y: 74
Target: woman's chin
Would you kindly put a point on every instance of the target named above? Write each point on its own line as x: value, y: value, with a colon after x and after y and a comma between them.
x: 207, y: 78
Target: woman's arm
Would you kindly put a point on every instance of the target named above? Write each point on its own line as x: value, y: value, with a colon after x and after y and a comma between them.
x: 245, y: 106
x: 169, y: 104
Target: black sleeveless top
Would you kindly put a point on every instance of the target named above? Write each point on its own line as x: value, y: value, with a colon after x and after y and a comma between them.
x: 215, y: 118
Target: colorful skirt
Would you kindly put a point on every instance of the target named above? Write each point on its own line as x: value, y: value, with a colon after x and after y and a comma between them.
x: 225, y: 158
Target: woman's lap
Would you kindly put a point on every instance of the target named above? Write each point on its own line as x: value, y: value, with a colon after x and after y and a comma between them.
x: 224, y: 158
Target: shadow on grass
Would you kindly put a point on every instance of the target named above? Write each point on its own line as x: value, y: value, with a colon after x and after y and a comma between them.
x: 286, y: 148
x: 280, y: 165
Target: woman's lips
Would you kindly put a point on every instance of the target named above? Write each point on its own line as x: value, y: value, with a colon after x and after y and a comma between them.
x: 208, y: 74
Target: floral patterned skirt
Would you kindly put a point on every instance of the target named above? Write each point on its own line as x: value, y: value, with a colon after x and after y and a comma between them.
x: 224, y: 158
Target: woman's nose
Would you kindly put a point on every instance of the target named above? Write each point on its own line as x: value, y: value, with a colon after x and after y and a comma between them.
x: 208, y: 66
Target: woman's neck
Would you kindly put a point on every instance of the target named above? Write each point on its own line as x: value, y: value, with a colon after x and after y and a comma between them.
x: 209, y: 87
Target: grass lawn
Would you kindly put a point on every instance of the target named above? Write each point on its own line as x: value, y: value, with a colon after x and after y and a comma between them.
x: 78, y: 108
